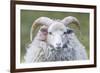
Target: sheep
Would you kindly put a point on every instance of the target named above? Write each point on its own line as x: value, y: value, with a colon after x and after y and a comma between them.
x: 58, y: 44
x: 37, y: 46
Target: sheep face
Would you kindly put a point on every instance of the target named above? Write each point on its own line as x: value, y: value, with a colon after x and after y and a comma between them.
x: 56, y: 35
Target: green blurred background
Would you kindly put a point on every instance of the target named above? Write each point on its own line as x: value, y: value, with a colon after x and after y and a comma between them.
x: 28, y: 17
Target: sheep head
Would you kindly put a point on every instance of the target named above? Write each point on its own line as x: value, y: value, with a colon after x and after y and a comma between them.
x: 56, y: 35
x: 55, y: 30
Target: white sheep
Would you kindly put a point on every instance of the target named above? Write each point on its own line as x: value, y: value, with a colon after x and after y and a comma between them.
x: 35, y: 49
x: 59, y: 42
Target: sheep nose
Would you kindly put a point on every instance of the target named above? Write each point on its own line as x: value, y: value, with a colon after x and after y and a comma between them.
x: 58, y: 44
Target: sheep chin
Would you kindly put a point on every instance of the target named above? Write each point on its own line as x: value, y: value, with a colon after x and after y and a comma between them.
x: 55, y: 54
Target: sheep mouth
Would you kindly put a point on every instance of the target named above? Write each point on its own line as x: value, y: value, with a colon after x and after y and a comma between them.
x: 58, y: 47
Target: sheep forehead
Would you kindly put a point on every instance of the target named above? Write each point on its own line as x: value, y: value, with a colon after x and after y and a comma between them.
x: 57, y: 26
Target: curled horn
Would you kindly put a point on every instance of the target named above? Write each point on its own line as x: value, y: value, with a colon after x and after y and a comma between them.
x: 69, y: 20
x: 39, y: 22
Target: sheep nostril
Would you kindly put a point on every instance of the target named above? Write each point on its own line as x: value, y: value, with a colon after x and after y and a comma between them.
x: 65, y: 46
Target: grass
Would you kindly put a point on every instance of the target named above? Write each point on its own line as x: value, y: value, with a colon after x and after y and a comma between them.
x: 28, y: 17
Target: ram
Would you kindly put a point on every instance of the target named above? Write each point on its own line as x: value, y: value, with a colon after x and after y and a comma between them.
x: 55, y: 41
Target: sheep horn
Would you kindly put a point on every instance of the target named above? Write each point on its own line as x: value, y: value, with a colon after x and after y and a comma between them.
x: 69, y: 20
x: 39, y: 22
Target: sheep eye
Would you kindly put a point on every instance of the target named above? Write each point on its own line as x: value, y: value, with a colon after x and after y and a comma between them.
x: 65, y: 32
x: 69, y: 31
x: 50, y: 33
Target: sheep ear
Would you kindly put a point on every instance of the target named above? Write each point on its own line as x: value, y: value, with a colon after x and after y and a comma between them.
x: 39, y: 22
x: 71, y: 20
x: 43, y: 29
